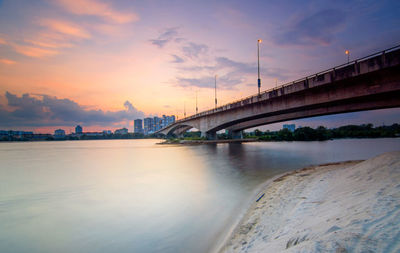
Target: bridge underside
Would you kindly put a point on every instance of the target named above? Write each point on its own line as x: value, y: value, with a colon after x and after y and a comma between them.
x: 381, y: 101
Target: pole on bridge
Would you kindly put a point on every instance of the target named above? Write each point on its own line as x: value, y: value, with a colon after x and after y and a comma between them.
x: 197, y: 109
x: 215, y: 85
x: 258, y: 61
x: 348, y: 56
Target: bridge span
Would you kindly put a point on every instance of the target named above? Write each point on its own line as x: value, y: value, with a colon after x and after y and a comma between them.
x: 369, y: 83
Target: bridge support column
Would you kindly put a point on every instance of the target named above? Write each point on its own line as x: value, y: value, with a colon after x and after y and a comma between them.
x: 235, y: 134
x: 180, y: 135
x: 209, y: 135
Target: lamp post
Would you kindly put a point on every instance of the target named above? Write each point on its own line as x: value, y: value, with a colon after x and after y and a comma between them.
x: 348, y: 56
x: 258, y: 61
x: 197, y: 109
x: 215, y: 88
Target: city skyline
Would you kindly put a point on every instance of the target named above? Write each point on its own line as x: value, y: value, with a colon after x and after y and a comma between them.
x: 105, y: 63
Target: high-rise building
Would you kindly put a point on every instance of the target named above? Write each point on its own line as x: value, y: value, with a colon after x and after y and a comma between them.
x: 138, y: 126
x: 148, y: 125
x: 291, y: 127
x: 78, y: 129
x: 157, y: 123
x: 167, y: 120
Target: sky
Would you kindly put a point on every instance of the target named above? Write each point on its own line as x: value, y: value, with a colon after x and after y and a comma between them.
x: 102, y: 63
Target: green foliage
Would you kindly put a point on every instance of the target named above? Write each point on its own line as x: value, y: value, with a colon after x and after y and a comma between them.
x: 322, y: 133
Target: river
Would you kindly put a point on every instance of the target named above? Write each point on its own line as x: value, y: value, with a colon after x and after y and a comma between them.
x: 135, y: 196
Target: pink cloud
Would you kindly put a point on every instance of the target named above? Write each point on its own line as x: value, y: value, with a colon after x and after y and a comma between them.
x: 2, y: 41
x: 34, y: 51
x: 97, y: 8
x: 49, y: 44
x: 66, y: 28
x: 7, y: 61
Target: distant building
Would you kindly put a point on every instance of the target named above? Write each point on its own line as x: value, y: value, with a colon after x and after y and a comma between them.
x: 167, y: 120
x: 148, y: 126
x: 290, y: 127
x: 15, y: 134
x: 121, y: 131
x: 138, y: 126
x: 107, y: 132
x: 157, y: 123
x: 59, y: 133
x: 78, y: 129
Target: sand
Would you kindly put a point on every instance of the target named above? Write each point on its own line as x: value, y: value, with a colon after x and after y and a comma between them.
x: 343, y: 207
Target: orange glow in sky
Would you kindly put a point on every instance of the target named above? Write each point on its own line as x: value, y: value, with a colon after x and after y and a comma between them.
x: 103, y: 63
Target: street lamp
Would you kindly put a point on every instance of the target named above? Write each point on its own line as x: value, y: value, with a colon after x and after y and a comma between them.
x: 348, y: 56
x: 197, y: 109
x: 258, y: 60
x: 215, y: 88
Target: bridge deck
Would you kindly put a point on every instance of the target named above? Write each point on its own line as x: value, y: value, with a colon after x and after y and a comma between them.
x: 354, y: 68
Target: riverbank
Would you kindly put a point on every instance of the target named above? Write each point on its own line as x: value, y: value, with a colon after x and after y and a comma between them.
x: 342, y: 207
x: 198, y: 142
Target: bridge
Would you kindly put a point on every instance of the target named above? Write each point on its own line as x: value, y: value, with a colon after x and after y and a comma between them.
x: 368, y: 83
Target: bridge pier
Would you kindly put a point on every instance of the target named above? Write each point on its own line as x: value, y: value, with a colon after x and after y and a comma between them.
x: 235, y: 134
x: 209, y: 135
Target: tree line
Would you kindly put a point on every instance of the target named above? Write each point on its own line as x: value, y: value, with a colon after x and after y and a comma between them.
x: 322, y: 133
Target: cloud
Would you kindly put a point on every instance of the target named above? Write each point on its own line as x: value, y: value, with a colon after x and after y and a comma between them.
x: 168, y: 35
x: 317, y: 29
x: 230, y: 74
x: 58, y: 34
x: 67, y: 28
x: 227, y: 81
x: 43, y: 110
x: 177, y: 59
x: 194, y: 50
x: 99, y: 9
x: 7, y: 61
x: 49, y: 44
x: 202, y: 82
x: 224, y: 62
x: 3, y: 41
x: 34, y: 51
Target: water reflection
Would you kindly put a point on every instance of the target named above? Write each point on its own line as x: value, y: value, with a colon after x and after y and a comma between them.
x: 134, y: 196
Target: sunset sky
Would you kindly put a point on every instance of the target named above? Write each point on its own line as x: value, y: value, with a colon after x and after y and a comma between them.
x: 102, y: 63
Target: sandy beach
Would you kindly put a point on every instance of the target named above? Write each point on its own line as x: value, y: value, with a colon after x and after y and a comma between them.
x: 342, y: 207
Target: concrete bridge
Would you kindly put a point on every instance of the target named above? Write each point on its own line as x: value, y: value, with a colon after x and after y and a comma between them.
x: 372, y: 82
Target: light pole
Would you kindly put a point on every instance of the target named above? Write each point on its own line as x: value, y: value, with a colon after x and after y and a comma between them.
x: 197, y: 109
x: 258, y: 60
x: 215, y: 86
x: 348, y: 56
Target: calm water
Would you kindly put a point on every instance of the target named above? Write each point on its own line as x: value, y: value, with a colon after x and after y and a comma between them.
x: 134, y: 196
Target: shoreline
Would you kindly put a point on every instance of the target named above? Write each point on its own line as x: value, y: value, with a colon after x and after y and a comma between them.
x: 202, y: 142
x: 282, y: 219
x: 255, y: 195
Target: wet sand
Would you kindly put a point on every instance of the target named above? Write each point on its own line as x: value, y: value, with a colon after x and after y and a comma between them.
x: 341, y: 207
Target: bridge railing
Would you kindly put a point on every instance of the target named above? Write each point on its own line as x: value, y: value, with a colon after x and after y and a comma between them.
x: 257, y: 96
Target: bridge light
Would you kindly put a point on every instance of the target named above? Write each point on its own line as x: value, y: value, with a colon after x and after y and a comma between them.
x: 347, y: 52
